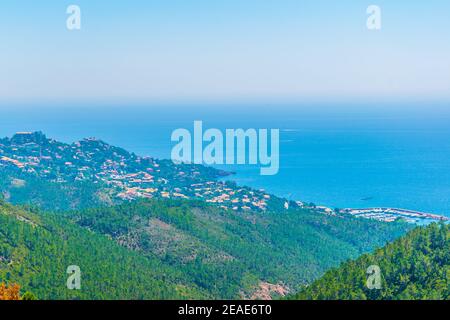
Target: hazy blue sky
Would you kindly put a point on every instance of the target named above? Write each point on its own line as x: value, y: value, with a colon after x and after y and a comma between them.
x: 176, y: 50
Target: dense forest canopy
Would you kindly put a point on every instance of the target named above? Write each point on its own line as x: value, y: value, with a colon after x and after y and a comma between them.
x: 142, y: 228
x: 176, y: 249
x: 415, y: 267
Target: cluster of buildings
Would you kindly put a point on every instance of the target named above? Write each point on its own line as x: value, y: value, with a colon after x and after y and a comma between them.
x: 126, y: 175
x: 130, y: 177
x: 393, y: 214
x: 214, y: 192
x: 234, y: 198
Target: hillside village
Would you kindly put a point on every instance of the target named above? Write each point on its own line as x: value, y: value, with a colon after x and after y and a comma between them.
x: 127, y: 177
x: 125, y: 174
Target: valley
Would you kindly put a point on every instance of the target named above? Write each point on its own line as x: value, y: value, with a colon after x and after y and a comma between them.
x: 186, y: 233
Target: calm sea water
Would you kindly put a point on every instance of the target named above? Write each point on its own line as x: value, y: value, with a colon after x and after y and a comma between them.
x: 339, y: 156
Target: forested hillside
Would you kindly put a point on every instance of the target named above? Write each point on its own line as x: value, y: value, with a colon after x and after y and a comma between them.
x: 236, y: 255
x: 36, y: 251
x: 177, y: 249
x: 142, y: 228
x: 417, y: 266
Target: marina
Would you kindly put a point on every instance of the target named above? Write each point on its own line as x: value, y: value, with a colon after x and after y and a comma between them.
x: 393, y: 214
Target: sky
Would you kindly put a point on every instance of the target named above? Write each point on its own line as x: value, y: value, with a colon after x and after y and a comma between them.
x: 207, y: 50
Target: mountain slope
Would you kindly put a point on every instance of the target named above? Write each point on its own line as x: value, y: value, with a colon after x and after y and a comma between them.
x: 58, y: 176
x: 231, y: 255
x: 417, y: 267
x: 163, y: 249
x: 35, y: 252
x: 221, y: 240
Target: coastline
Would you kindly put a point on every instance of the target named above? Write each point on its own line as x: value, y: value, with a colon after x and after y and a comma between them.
x: 380, y: 213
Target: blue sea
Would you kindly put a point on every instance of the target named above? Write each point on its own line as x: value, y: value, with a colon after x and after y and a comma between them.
x: 342, y: 155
